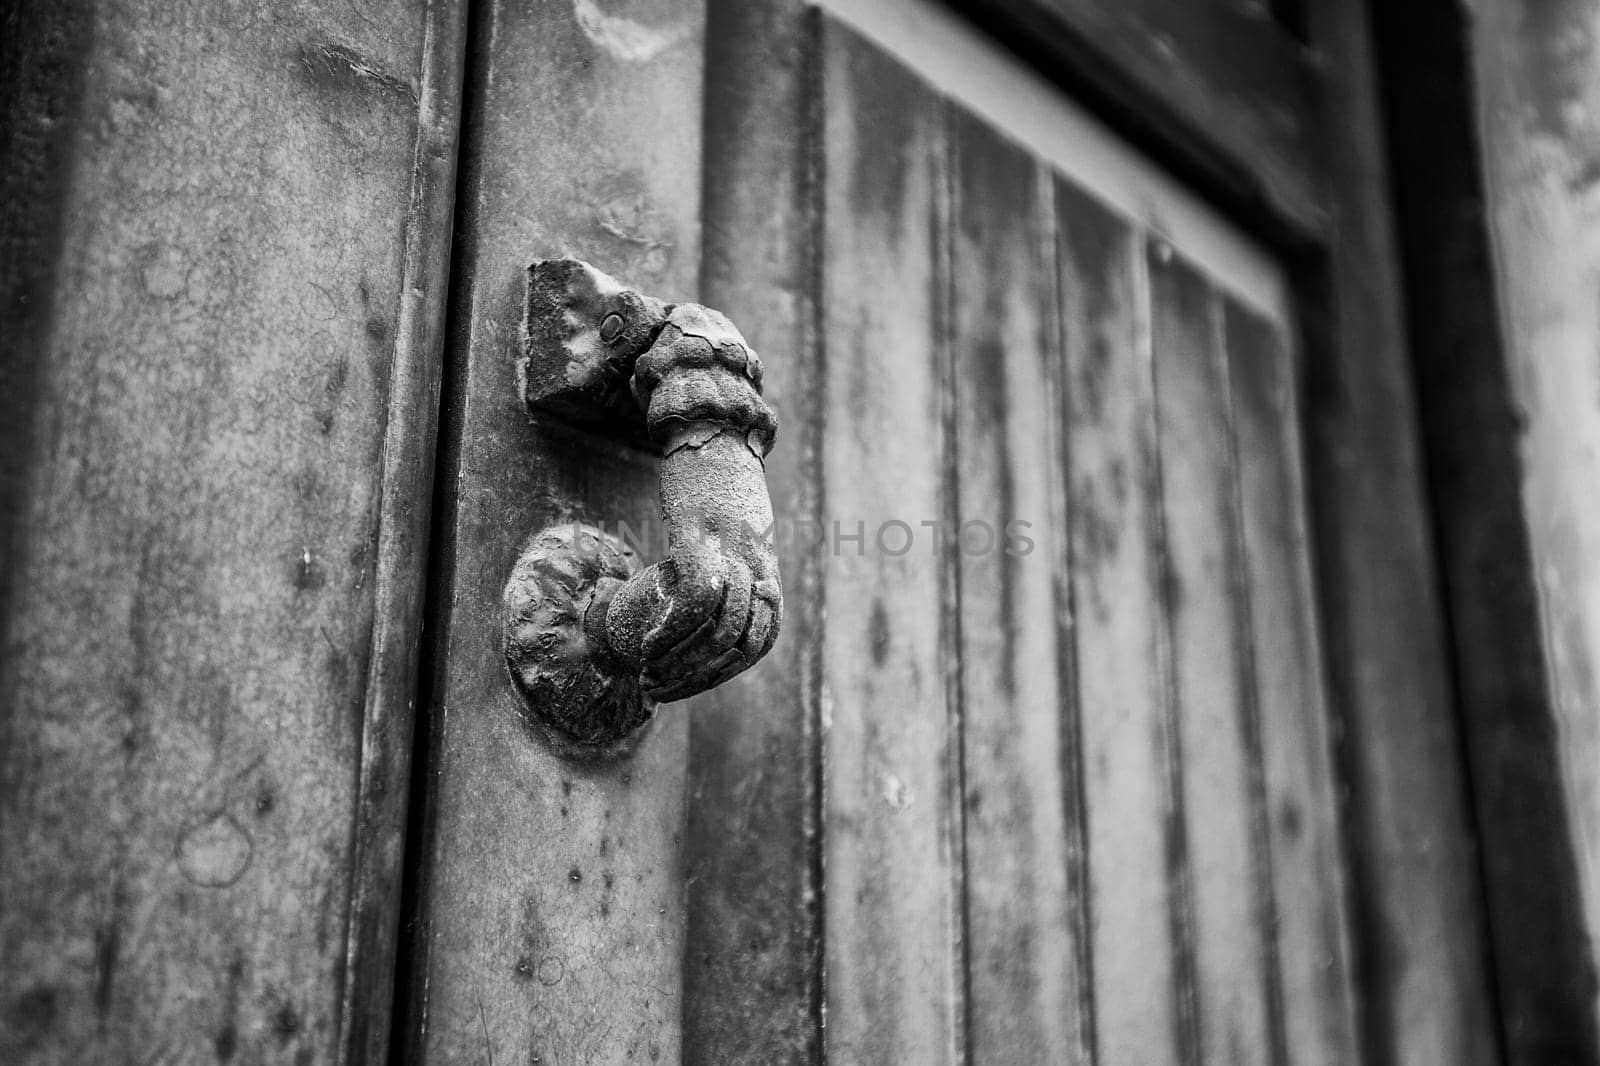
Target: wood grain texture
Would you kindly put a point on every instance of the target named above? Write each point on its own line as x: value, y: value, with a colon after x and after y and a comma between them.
x: 1416, y: 902
x: 753, y: 965
x: 1238, y: 998
x: 1027, y: 927
x: 550, y: 917
x: 1494, y: 223
x: 891, y: 848
x: 1303, y: 828
x: 1216, y: 90
x: 1135, y: 833
x: 216, y: 307
x: 411, y: 423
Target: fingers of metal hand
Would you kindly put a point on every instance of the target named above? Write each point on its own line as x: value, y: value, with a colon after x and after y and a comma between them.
x: 740, y: 631
x: 760, y: 631
x: 733, y: 617
x: 683, y: 661
x: 692, y: 587
x: 690, y: 666
x: 713, y: 651
x: 765, y: 616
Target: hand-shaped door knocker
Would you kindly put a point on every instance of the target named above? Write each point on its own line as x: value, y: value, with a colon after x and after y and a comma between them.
x: 592, y: 641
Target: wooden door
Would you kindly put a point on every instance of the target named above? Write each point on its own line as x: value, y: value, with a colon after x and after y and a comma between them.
x: 1075, y: 799
x: 1042, y: 769
x: 1107, y: 725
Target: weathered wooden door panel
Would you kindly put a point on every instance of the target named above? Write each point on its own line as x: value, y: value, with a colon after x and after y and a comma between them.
x: 890, y: 826
x: 549, y: 922
x: 1134, y: 833
x: 1026, y: 910
x: 1229, y: 902
x: 1301, y: 817
x: 1046, y: 798
x: 1427, y: 995
x: 225, y: 234
x: 753, y: 979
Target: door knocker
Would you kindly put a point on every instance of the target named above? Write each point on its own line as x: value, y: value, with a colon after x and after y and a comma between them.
x: 592, y: 640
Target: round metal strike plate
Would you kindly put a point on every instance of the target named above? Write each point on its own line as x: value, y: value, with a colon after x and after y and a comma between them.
x: 555, y: 602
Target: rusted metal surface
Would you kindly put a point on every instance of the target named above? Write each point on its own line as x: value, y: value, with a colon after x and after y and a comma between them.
x: 578, y: 696
x: 592, y: 642
x: 221, y: 301
x: 583, y: 331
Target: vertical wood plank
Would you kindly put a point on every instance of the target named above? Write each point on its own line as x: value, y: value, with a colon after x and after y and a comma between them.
x: 1027, y: 925
x: 1423, y: 975
x: 891, y: 848
x: 1134, y: 825
x: 753, y: 962
x: 215, y: 310
x: 1301, y: 804
x: 374, y: 958
x: 550, y: 916
x: 1488, y: 116
x: 1208, y: 619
